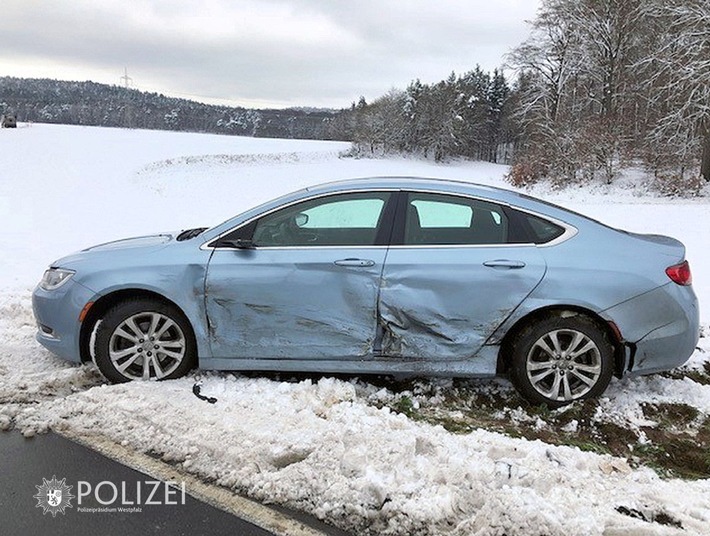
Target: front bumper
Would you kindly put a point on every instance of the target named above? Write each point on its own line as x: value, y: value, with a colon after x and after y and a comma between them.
x: 57, y: 315
x: 661, y: 326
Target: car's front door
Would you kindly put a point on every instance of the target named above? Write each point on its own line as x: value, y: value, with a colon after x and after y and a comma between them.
x: 301, y: 282
x: 453, y: 278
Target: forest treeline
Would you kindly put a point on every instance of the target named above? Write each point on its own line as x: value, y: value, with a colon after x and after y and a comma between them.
x: 90, y: 103
x: 468, y: 115
x: 598, y: 86
x: 603, y: 84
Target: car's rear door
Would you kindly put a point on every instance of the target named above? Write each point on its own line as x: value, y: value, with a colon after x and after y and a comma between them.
x: 451, y: 276
x: 308, y: 288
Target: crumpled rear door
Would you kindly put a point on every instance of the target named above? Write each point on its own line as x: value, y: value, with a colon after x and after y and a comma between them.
x: 443, y: 303
x: 455, y: 271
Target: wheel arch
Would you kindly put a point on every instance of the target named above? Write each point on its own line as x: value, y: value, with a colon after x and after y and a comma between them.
x: 608, y: 327
x: 105, y: 302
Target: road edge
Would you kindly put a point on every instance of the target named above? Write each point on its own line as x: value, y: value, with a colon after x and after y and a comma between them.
x: 249, y: 510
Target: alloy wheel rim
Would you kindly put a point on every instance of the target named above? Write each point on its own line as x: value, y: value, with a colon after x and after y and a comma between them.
x: 147, y: 345
x: 564, y: 365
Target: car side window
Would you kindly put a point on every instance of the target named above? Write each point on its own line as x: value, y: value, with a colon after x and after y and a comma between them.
x: 543, y: 231
x: 438, y: 219
x: 337, y: 220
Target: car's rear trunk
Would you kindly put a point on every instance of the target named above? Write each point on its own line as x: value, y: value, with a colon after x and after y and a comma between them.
x: 664, y: 245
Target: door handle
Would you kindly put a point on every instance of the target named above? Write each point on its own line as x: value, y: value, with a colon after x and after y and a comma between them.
x: 362, y: 263
x: 504, y: 264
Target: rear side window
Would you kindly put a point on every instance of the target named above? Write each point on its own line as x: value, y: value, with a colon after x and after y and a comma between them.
x: 543, y: 231
x: 438, y: 219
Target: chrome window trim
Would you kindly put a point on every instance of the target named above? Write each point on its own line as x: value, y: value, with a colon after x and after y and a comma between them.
x: 569, y: 230
x: 460, y: 246
x: 266, y: 248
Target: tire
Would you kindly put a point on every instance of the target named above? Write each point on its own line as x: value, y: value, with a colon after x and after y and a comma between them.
x: 144, y: 339
x: 561, y: 359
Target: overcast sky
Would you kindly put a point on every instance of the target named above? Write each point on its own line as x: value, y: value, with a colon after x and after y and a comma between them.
x: 259, y: 53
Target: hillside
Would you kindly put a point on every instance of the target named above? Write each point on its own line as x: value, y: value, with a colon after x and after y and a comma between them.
x: 89, y: 103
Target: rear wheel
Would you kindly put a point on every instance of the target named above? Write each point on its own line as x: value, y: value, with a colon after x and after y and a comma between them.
x: 144, y: 339
x: 561, y: 359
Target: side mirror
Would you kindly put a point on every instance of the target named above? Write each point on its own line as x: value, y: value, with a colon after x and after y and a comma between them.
x: 239, y: 243
x: 300, y: 219
x: 243, y: 243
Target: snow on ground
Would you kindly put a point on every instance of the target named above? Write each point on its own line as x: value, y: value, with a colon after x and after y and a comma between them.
x: 327, y: 446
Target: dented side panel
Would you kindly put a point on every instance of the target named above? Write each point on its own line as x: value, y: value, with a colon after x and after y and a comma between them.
x: 443, y: 303
x: 292, y: 303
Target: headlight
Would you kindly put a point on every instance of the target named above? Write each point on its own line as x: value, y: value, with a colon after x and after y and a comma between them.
x: 55, y: 278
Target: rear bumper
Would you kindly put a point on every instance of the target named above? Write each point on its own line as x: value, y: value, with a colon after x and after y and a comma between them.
x: 662, y: 328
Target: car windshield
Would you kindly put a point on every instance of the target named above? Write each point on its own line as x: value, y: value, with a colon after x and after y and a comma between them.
x: 258, y: 209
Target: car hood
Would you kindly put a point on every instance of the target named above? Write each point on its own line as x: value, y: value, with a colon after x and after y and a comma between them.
x: 139, y: 244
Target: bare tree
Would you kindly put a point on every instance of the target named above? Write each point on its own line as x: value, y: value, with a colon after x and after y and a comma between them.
x: 607, y: 32
x: 548, y: 59
x: 381, y: 126
x: 679, y: 81
x: 606, y: 80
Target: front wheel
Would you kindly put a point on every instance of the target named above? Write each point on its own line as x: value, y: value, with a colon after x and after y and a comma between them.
x: 561, y: 359
x: 144, y: 339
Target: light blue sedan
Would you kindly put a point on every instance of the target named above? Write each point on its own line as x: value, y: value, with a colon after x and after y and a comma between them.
x: 384, y: 276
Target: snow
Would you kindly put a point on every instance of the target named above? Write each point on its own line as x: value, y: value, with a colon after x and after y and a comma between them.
x: 323, y: 445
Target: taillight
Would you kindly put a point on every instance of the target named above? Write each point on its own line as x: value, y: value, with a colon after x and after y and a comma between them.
x: 680, y: 273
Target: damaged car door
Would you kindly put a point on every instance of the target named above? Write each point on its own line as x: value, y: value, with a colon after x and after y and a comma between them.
x: 301, y: 281
x: 457, y: 267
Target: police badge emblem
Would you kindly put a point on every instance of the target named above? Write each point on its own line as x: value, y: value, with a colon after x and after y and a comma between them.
x: 53, y: 496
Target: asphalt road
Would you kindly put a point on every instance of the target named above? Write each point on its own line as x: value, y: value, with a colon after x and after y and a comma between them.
x: 24, y: 463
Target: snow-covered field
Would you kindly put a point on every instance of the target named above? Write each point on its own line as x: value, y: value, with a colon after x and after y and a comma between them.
x: 332, y: 447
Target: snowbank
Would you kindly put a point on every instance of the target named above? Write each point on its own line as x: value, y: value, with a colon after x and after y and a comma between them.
x: 323, y: 446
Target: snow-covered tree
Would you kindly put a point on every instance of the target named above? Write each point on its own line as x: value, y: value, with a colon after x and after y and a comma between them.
x: 461, y: 116
x: 678, y: 82
x: 604, y: 81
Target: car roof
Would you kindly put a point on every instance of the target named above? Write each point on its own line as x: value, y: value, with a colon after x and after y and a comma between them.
x: 404, y: 182
x: 440, y: 185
